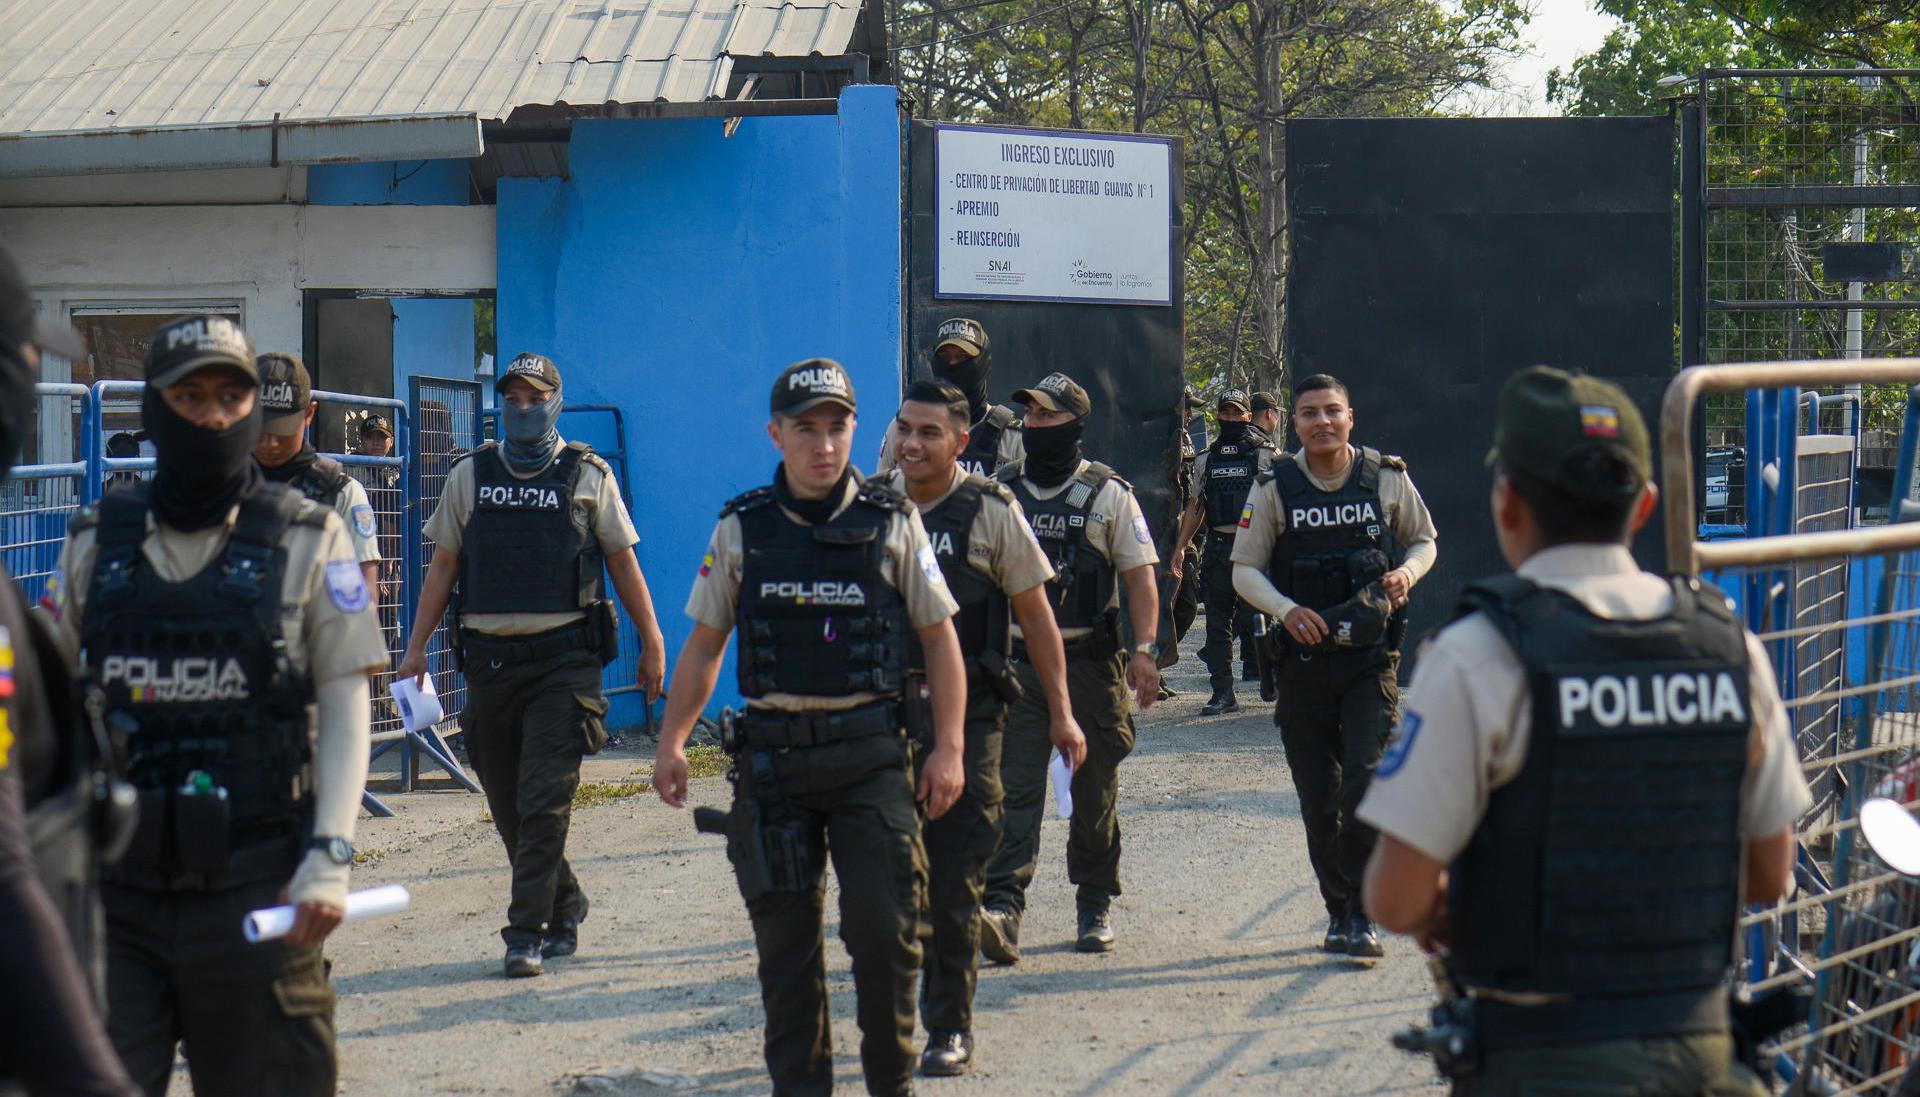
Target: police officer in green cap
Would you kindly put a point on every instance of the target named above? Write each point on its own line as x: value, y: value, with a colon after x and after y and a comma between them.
x: 824, y: 580
x: 1592, y: 759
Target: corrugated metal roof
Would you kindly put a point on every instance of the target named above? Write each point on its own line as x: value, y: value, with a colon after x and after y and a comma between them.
x: 94, y: 65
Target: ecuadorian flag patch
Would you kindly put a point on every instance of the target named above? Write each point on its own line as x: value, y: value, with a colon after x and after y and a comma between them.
x: 1599, y: 421
x: 706, y: 565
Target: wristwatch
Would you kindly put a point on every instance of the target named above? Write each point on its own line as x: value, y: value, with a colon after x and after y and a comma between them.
x: 1146, y: 648
x: 337, y: 849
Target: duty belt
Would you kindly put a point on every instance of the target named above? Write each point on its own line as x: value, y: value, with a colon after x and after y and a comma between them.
x: 770, y: 730
x: 1506, y: 1024
x: 528, y: 649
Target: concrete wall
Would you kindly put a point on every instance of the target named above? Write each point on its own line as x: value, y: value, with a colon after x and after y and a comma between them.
x: 679, y: 270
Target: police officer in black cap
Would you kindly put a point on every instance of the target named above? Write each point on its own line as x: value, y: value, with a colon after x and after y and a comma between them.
x: 1330, y: 545
x: 287, y: 457
x: 227, y: 634
x: 1266, y: 417
x: 963, y: 358
x: 530, y: 527
x: 1593, y: 759
x: 1181, y: 586
x: 51, y: 1036
x: 824, y: 580
x: 1222, y: 479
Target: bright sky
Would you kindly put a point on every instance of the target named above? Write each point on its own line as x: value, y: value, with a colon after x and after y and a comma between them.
x: 1561, y: 30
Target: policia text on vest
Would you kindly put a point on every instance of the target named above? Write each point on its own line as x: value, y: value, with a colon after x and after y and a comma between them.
x: 822, y: 765
x: 227, y: 631
x: 1594, y: 757
x: 527, y: 527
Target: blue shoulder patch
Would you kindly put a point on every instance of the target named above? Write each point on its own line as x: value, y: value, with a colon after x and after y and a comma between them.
x: 346, y: 586
x: 1400, y: 747
x: 363, y: 520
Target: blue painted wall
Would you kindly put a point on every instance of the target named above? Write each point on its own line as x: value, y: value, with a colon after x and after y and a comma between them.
x: 432, y: 337
x: 407, y: 183
x: 679, y: 270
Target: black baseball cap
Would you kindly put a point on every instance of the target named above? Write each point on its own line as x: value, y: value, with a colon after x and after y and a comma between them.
x: 375, y: 424
x: 195, y: 342
x: 1547, y: 419
x: 1057, y: 392
x: 1233, y: 398
x: 808, y: 384
x: 20, y: 324
x: 961, y: 332
x: 535, y: 369
x: 1265, y: 401
x: 285, y: 392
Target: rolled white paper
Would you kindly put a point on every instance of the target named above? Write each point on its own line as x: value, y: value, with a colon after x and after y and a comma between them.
x: 274, y: 922
x: 1062, y: 786
x: 419, y: 708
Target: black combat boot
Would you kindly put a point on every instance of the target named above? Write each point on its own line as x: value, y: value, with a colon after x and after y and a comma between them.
x: 1096, y: 931
x: 1363, y: 943
x: 1336, y: 938
x: 1223, y: 702
x: 563, y: 934
x: 523, y: 961
x: 948, y: 1053
x: 1000, y: 935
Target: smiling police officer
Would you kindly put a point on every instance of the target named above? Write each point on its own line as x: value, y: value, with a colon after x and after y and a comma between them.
x: 227, y: 634
x: 287, y: 457
x: 1330, y: 544
x: 1592, y: 759
x: 963, y: 358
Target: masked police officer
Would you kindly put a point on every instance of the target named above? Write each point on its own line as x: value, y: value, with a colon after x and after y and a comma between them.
x: 1590, y: 756
x: 1222, y: 479
x: 51, y: 1036
x: 1087, y: 520
x: 530, y: 527
x: 824, y: 579
x: 1330, y: 544
x: 997, y: 573
x: 227, y: 634
x: 1179, y: 588
x: 963, y: 358
x: 286, y: 457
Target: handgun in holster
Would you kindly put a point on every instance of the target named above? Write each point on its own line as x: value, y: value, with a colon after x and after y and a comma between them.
x: 1000, y: 676
x: 1452, y: 1036
x: 1266, y: 654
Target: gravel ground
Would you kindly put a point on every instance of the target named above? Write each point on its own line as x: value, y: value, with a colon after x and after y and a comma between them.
x: 1217, y: 987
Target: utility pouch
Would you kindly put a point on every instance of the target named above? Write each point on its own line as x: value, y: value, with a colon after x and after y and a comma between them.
x: 1000, y: 676
x: 1104, y: 642
x: 742, y: 828
x: 917, y: 711
x: 603, y: 624
x: 147, y: 850
x: 201, y: 835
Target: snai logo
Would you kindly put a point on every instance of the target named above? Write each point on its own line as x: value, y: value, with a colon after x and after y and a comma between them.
x: 1652, y: 700
x: 1334, y: 514
x: 193, y: 678
x: 817, y: 592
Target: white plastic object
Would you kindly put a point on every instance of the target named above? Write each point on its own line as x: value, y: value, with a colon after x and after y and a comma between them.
x: 1893, y: 833
x: 1062, y: 775
x: 275, y: 922
x: 419, y: 707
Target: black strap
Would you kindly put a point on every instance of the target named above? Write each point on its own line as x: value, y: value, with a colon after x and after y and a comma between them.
x: 770, y: 730
x: 117, y: 538
x: 1503, y: 1024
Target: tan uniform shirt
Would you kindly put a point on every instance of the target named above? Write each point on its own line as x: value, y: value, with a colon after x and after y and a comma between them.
x: 1469, y: 714
x: 1115, y: 529
x: 909, y: 564
x: 1265, y: 519
x: 1012, y: 449
x: 1000, y: 545
x: 356, y: 514
x: 596, y: 502
x: 325, y: 637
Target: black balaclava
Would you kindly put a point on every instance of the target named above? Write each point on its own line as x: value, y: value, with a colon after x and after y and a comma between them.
x: 810, y: 511
x: 1233, y: 431
x: 199, y: 474
x: 1053, y: 453
x: 969, y: 375
x: 529, y: 436
x: 293, y: 467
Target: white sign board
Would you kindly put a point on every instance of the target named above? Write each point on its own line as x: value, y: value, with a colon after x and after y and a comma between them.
x: 1053, y: 215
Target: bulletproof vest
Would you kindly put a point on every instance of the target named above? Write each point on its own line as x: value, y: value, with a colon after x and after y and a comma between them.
x: 322, y: 481
x: 1336, y: 542
x: 982, y: 455
x: 1231, y: 469
x: 1609, y: 868
x: 524, y: 549
x: 1082, y: 589
x: 983, y: 622
x: 817, y: 612
x: 195, y: 676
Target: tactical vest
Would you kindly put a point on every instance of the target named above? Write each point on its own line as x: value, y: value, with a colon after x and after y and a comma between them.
x: 1336, y: 542
x: 524, y: 549
x: 195, y: 676
x: 983, y: 623
x: 817, y: 611
x: 1609, y: 868
x: 1231, y: 469
x: 322, y: 481
x: 982, y: 455
x: 1082, y: 590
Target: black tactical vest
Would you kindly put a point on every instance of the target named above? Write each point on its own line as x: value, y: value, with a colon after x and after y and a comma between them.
x: 525, y: 550
x: 322, y: 481
x: 817, y: 613
x: 1231, y: 469
x: 982, y: 455
x: 1083, y: 588
x: 1336, y: 542
x: 1609, y: 868
x: 195, y: 676
x: 983, y: 622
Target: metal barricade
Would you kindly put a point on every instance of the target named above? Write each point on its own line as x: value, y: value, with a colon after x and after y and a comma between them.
x: 445, y: 427
x: 1838, y: 610
x: 37, y: 499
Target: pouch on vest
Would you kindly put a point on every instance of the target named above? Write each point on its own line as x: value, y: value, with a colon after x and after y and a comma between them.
x: 603, y: 624
x: 916, y: 711
x: 593, y: 724
x: 201, y: 836
x: 149, y: 850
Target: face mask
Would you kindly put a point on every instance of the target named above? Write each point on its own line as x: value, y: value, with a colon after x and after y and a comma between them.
x: 1053, y: 453
x: 199, y: 474
x: 1233, y: 432
x: 530, y: 434
x: 969, y: 376
x: 17, y: 405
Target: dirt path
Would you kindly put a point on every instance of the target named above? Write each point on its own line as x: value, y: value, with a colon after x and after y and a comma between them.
x: 1217, y: 987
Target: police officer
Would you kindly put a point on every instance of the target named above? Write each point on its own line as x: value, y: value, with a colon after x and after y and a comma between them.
x: 529, y: 527
x: 1087, y: 520
x: 963, y: 358
x: 1222, y: 479
x: 1589, y: 757
x: 1180, y: 587
x: 1266, y: 417
x: 51, y: 1037
x: 997, y: 573
x: 824, y: 579
x: 227, y: 634
x: 286, y: 457
x: 1330, y: 544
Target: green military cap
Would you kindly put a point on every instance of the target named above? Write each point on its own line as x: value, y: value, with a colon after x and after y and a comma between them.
x: 1548, y: 418
x: 1265, y: 401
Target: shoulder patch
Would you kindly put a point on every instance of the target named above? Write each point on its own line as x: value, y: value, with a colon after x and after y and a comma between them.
x: 929, y: 564
x: 1141, y: 533
x: 346, y: 586
x: 747, y: 500
x: 1393, y: 461
x: 1399, y: 747
x: 363, y: 523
